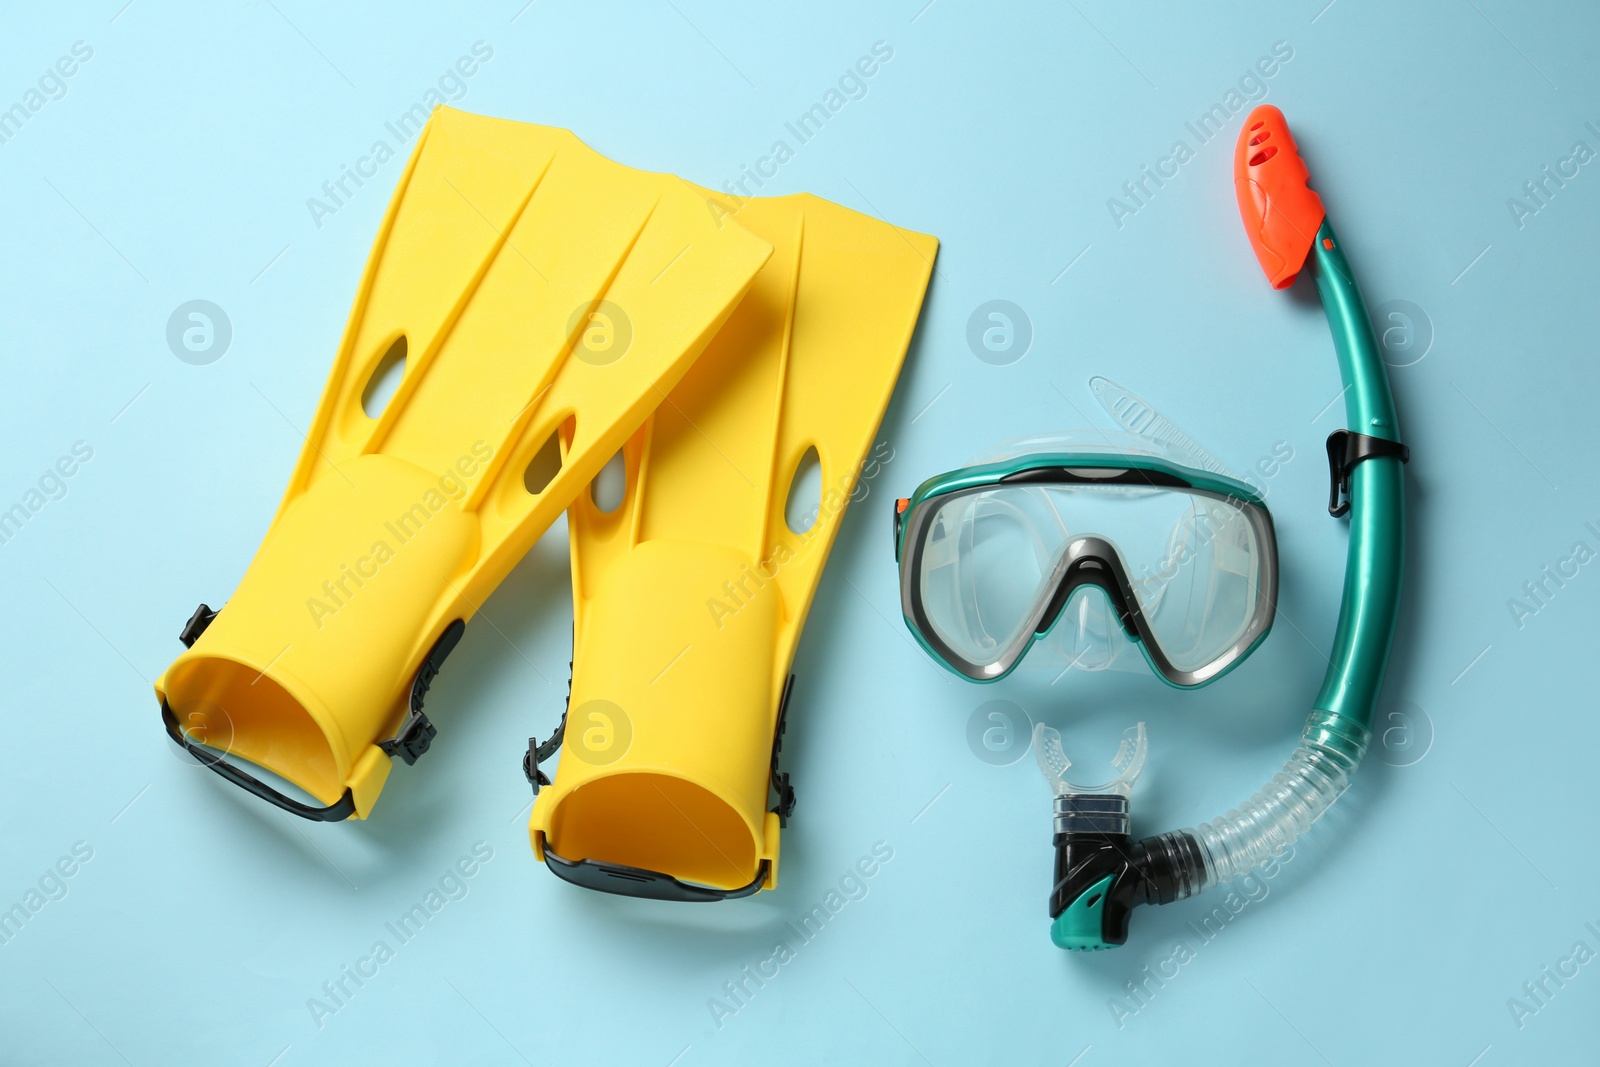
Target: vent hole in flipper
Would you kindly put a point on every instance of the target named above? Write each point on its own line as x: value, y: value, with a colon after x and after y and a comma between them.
x: 1263, y: 155
x: 544, y: 466
x: 380, y: 388
x: 610, y: 485
x: 804, y: 505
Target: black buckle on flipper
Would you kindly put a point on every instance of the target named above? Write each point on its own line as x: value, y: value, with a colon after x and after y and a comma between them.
x: 1347, y: 448
x: 196, y: 625
x: 780, y: 779
x: 413, y: 739
x: 416, y: 734
x: 540, y: 753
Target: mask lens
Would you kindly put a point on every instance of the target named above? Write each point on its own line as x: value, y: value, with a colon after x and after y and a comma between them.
x: 1205, y: 590
x: 990, y: 556
x: 984, y: 566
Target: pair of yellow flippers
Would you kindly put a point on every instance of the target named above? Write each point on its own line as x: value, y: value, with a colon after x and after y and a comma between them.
x: 544, y: 302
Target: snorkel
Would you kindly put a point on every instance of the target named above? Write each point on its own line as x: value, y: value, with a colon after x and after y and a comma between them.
x: 1101, y: 873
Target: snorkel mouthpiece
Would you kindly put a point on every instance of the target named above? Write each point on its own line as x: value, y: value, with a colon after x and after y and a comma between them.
x: 1101, y: 872
x: 1089, y: 904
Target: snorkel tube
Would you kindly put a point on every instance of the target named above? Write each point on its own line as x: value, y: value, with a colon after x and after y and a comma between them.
x: 1101, y: 872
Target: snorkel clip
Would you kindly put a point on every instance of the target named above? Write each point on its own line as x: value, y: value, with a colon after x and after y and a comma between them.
x: 1346, y: 448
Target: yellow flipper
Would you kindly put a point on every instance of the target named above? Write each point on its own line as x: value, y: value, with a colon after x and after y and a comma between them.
x: 689, y: 597
x: 541, y: 296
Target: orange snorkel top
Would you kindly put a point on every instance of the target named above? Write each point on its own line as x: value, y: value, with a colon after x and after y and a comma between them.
x: 1281, y: 211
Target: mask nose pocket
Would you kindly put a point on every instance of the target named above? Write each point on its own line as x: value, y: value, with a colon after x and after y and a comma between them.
x: 1086, y: 635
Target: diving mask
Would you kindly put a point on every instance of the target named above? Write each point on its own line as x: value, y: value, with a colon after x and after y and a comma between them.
x: 1094, y: 544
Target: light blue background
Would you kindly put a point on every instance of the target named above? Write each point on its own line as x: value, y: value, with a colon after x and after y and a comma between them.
x: 178, y: 165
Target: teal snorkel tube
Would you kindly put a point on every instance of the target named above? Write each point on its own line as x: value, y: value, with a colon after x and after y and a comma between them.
x: 1101, y: 872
